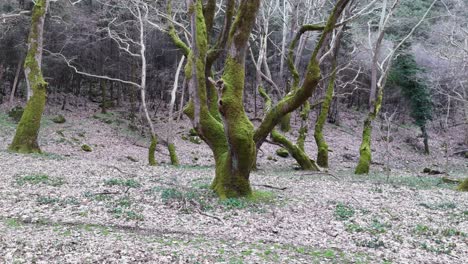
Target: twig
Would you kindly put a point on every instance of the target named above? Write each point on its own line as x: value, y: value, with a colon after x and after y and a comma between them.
x: 319, y: 173
x: 271, y: 187
x: 106, y: 193
x: 208, y: 215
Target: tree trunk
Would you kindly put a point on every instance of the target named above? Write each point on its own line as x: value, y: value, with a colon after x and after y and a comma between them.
x: 104, y: 96
x: 233, y: 140
x: 15, y: 82
x: 365, y: 151
x: 170, y: 139
x: 25, y: 140
x: 298, y: 154
x: 322, y: 146
x: 425, y: 139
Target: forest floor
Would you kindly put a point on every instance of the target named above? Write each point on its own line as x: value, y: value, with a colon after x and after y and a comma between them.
x: 109, y: 206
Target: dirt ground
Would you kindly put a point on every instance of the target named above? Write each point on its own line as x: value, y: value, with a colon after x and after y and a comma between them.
x: 109, y: 206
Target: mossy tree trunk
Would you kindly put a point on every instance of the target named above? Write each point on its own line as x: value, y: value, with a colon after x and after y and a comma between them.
x: 233, y: 139
x: 298, y: 154
x: 365, y: 151
x: 25, y: 140
x: 322, y: 146
x: 297, y: 151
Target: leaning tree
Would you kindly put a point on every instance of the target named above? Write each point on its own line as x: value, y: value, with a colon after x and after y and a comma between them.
x: 216, y: 106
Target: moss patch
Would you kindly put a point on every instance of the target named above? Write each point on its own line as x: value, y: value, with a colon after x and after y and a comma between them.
x: 282, y: 153
x: 86, y: 148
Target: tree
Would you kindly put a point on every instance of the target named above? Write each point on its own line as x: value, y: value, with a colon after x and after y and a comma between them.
x: 406, y: 74
x: 134, y: 15
x: 216, y: 107
x: 25, y: 140
x: 378, y: 82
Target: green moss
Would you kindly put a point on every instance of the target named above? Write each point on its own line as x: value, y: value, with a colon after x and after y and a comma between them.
x: 322, y: 146
x: 60, y: 119
x: 86, y: 148
x: 285, y: 124
x: 303, y: 131
x: 25, y: 140
x: 365, y: 149
x: 173, y: 33
x: 173, y: 154
x: 193, y: 132
x: 463, y: 186
x: 152, y: 150
x: 282, y: 153
x: 299, y: 155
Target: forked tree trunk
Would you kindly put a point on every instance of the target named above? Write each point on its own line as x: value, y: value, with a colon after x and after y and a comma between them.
x: 233, y: 140
x: 25, y: 140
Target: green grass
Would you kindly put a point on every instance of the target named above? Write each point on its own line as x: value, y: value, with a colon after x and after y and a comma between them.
x: 40, y: 178
x: 13, y: 223
x: 45, y: 200
x: 130, y: 183
x: 343, y: 212
x: 444, y: 206
x: 257, y: 198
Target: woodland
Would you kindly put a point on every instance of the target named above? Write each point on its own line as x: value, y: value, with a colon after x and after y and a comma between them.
x: 233, y: 131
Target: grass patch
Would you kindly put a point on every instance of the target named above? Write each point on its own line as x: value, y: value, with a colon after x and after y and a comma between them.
x: 130, y: 183
x: 45, y: 200
x: 13, y: 223
x: 439, y: 248
x: 40, y: 178
x: 370, y: 243
x: 343, y: 212
x: 119, y: 212
x: 439, y: 206
x: 257, y: 198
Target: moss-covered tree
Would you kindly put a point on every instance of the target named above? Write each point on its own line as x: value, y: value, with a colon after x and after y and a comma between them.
x: 378, y: 82
x: 405, y: 74
x: 25, y: 140
x: 216, y: 107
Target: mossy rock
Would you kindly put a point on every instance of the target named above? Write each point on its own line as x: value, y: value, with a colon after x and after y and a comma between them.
x: 86, y: 148
x: 16, y: 113
x: 463, y: 187
x: 282, y: 153
x: 193, y: 133
x: 60, y: 119
x: 195, y: 140
x: 184, y: 137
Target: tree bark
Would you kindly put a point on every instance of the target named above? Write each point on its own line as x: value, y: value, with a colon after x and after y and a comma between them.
x: 25, y: 140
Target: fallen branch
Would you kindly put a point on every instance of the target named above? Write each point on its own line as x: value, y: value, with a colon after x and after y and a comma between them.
x: 271, y: 187
x: 211, y: 216
x: 319, y: 173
